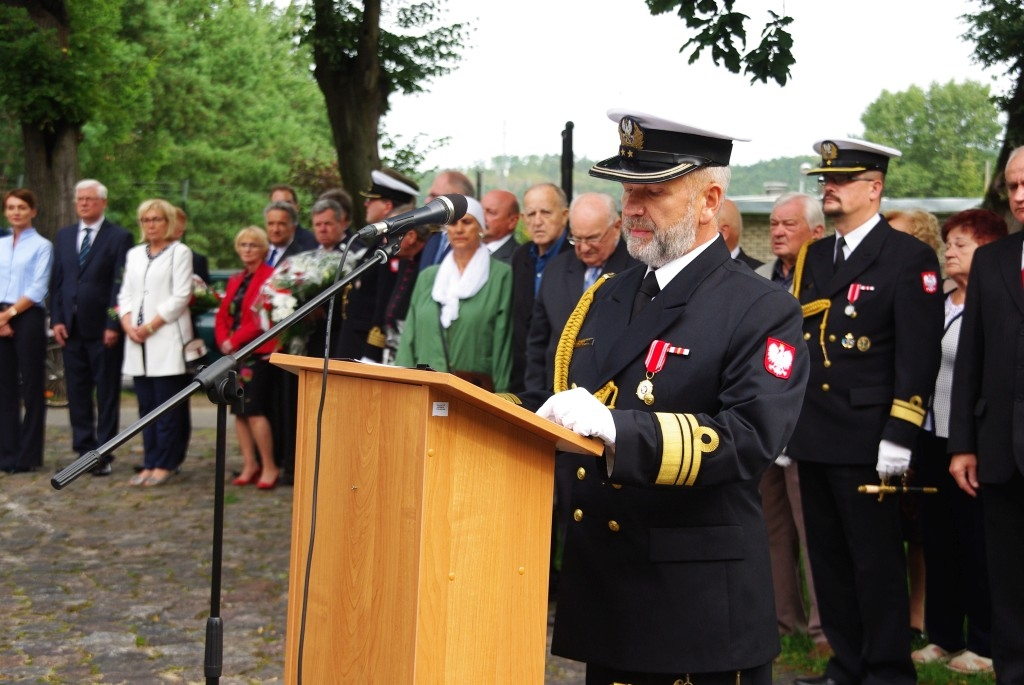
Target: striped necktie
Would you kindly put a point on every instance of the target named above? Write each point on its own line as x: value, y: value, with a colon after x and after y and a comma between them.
x: 84, y: 249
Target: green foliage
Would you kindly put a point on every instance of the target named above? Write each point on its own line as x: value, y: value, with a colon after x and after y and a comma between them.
x: 998, y: 34
x: 719, y: 28
x: 947, y: 135
x: 229, y: 109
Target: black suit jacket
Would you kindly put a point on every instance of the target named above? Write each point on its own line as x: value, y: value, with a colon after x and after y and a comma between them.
x: 523, y: 276
x: 560, y: 290
x: 505, y: 252
x: 666, y: 566
x: 882, y: 360
x: 81, y: 297
x: 748, y: 260
x: 428, y: 255
x: 987, y: 413
x: 201, y: 266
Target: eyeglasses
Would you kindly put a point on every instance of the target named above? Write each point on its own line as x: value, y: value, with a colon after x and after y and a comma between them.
x: 249, y: 246
x: 590, y: 240
x: 153, y: 219
x: 841, y: 180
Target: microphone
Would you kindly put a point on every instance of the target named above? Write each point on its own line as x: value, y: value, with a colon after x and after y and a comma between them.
x: 444, y: 209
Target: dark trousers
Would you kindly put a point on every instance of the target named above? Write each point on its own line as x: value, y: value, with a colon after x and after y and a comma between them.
x: 92, y: 372
x: 860, y: 574
x: 23, y: 384
x: 1004, y: 521
x: 599, y: 675
x: 956, y: 582
x: 282, y: 414
x: 166, y: 439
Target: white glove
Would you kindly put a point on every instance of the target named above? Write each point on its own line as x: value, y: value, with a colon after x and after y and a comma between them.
x: 893, y: 460
x: 783, y: 460
x: 580, y: 412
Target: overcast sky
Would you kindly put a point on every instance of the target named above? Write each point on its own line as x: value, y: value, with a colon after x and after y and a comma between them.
x: 532, y: 65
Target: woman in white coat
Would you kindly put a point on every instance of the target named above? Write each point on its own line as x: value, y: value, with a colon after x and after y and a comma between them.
x: 153, y: 308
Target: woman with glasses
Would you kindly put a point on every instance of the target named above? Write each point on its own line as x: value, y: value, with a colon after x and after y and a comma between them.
x: 25, y: 261
x: 459, y: 317
x: 153, y: 308
x: 236, y: 326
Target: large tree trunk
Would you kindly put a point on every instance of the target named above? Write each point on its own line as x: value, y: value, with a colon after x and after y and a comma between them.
x: 353, y: 94
x: 51, y: 171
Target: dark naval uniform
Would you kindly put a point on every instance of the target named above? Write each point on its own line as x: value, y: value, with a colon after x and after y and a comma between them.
x: 676, y: 533
x: 872, y: 329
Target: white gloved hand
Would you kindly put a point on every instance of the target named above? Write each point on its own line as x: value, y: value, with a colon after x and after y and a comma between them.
x: 580, y: 412
x: 893, y: 460
x: 783, y: 460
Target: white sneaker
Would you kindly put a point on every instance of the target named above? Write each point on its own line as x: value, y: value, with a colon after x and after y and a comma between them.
x: 928, y: 654
x: 969, y: 662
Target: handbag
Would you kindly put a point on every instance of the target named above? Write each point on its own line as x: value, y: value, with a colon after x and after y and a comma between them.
x: 194, y: 353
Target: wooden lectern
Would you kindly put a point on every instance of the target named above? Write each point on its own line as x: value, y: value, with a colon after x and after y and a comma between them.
x: 426, y: 525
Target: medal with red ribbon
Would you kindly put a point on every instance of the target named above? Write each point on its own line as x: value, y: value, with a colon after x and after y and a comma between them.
x: 655, y: 361
x: 852, y: 295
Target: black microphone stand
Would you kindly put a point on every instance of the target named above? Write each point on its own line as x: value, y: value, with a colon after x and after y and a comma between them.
x: 220, y: 381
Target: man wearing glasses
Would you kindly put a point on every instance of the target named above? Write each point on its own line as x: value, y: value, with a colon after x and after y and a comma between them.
x: 86, y: 276
x: 872, y: 307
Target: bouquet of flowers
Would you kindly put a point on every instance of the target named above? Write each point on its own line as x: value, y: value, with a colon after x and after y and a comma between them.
x: 204, y: 298
x: 297, y: 280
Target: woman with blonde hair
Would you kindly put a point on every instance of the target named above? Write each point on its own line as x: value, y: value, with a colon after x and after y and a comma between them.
x: 153, y: 308
x: 236, y: 326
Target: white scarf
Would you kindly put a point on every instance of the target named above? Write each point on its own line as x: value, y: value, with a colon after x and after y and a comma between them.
x: 450, y: 286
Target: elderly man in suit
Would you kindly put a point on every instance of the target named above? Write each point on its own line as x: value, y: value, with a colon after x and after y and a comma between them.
x: 986, y: 425
x: 501, y: 212
x: 873, y: 324
x: 691, y: 369
x: 86, y: 276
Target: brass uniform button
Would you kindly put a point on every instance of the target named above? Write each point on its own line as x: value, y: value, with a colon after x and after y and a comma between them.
x: 832, y: 337
x: 616, y: 486
x: 825, y: 387
x: 807, y: 336
x: 828, y: 364
x: 577, y: 515
x: 581, y: 473
x: 613, y: 526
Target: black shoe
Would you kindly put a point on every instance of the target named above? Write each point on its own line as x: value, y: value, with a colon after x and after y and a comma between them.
x: 102, y: 469
x: 815, y: 680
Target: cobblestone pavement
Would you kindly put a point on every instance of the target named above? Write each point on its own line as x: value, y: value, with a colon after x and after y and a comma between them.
x: 106, y: 583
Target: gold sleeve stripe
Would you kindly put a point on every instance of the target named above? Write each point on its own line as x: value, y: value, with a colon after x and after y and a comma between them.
x: 509, y: 397
x: 376, y: 337
x: 911, y: 412
x: 671, y: 448
x: 684, y: 442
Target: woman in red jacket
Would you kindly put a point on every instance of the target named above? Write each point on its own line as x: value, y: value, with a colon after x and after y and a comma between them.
x: 237, y: 324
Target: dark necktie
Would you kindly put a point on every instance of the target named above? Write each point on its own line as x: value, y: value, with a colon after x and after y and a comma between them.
x: 272, y: 257
x: 840, y: 257
x: 648, y: 289
x: 84, y: 249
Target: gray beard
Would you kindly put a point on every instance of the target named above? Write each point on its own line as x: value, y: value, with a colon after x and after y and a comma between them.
x: 665, y: 245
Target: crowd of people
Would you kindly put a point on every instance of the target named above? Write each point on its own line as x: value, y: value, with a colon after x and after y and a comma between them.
x: 768, y: 396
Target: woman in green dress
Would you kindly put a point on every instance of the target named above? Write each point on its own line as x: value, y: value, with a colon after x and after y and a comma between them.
x: 459, y: 317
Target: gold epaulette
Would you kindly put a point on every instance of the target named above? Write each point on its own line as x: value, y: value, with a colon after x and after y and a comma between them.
x: 912, y: 411
x: 608, y: 393
x: 683, y: 444
x: 376, y: 337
